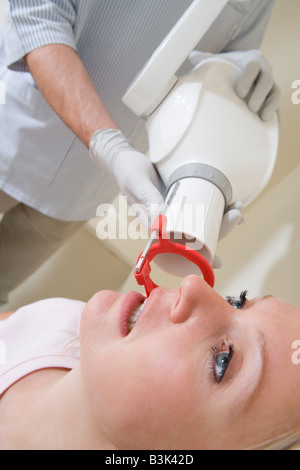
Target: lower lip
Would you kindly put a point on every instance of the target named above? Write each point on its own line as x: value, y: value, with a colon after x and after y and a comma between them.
x: 130, y: 302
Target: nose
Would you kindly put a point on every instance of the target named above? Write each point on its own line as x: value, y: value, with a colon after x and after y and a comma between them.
x: 194, y: 292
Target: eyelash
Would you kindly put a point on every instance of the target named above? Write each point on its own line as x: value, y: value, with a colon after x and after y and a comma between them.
x: 214, y: 352
x: 238, y: 302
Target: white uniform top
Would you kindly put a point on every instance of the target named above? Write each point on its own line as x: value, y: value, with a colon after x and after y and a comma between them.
x: 42, y: 163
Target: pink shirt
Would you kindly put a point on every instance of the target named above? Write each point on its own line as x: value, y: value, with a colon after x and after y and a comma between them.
x: 39, y: 336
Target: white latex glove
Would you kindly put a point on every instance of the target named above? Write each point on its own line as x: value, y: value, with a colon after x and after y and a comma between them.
x: 232, y: 217
x: 137, y: 179
x: 256, y: 84
x: 133, y: 172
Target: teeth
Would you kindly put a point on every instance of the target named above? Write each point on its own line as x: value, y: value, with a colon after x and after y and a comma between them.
x: 135, y: 315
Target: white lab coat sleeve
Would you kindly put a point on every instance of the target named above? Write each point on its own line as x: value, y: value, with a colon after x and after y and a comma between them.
x: 250, y: 33
x: 31, y: 24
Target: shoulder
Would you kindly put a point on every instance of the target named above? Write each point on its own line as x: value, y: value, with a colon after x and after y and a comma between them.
x: 54, y: 310
x: 5, y: 315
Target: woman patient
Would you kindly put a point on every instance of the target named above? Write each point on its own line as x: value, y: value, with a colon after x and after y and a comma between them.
x: 195, y: 371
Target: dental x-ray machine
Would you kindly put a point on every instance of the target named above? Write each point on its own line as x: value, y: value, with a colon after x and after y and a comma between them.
x: 209, y: 149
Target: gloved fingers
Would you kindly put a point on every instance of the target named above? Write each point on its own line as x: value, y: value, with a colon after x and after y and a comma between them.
x: 153, y: 210
x: 239, y: 206
x: 248, y: 78
x: 217, y: 262
x: 148, y: 203
x: 154, y: 203
x: 105, y: 145
x: 231, y: 218
x: 256, y: 83
x: 271, y: 104
x: 132, y: 170
x: 235, y: 205
x: 262, y: 89
x: 143, y: 187
x: 146, y: 213
x: 141, y: 213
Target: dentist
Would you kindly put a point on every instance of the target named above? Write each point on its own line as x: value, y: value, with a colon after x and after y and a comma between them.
x: 67, y: 142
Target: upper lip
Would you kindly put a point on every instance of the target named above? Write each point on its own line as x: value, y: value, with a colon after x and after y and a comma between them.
x: 149, y: 305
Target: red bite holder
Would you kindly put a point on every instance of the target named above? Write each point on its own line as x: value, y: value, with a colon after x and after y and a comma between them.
x: 163, y: 245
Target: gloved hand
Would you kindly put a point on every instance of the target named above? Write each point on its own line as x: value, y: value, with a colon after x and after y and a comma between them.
x: 256, y: 84
x: 232, y: 217
x: 133, y: 172
x: 137, y: 179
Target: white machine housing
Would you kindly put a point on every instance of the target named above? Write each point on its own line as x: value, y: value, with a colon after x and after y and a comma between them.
x: 205, y: 139
x: 208, y: 147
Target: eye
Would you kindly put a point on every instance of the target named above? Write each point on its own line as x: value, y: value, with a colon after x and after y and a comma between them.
x: 219, y: 362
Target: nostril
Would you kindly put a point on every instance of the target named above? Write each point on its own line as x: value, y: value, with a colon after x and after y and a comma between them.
x: 180, y: 310
x: 179, y: 315
x: 188, y: 297
x: 178, y: 298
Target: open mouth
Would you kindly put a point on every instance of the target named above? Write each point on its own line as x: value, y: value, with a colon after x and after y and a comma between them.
x: 135, y: 315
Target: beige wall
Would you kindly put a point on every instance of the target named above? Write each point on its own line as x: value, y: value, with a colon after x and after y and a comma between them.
x: 263, y: 255
x: 281, y: 47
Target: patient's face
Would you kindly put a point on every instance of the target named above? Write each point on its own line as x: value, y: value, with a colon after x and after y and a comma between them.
x: 194, y: 372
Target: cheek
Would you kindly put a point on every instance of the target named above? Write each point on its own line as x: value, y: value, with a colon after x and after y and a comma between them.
x: 139, y: 393
x: 99, y: 318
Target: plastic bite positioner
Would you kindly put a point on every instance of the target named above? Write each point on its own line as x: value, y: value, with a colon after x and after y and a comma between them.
x: 160, y: 244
